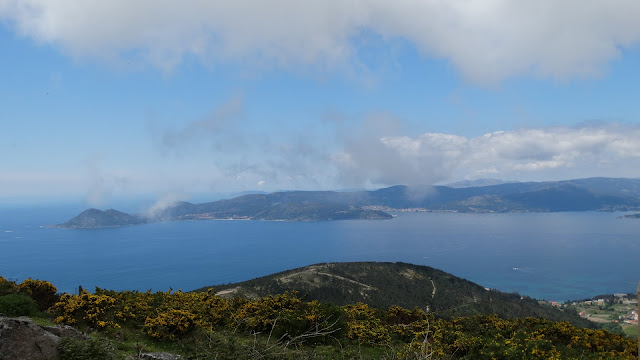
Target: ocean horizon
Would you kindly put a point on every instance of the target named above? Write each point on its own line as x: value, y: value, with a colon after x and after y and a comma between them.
x: 553, y: 256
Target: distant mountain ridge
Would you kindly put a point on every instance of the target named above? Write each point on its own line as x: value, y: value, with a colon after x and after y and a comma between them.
x: 477, y: 183
x: 632, y: 216
x: 593, y: 194
x: 384, y: 284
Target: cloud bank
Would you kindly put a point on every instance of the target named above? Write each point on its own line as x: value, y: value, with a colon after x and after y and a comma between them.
x: 375, y: 156
x: 526, y: 154
x: 487, y: 40
x: 380, y: 151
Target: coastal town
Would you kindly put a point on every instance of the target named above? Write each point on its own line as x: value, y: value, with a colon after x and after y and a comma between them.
x: 617, y: 312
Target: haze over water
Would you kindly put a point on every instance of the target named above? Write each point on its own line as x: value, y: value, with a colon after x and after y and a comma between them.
x: 555, y: 256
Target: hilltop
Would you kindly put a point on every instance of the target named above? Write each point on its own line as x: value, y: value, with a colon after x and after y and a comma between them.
x: 384, y: 284
x: 111, y: 325
x: 94, y: 218
x: 594, y: 194
x: 219, y: 210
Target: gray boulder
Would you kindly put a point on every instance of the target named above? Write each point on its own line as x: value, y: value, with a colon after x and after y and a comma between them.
x: 66, y: 331
x: 21, y: 339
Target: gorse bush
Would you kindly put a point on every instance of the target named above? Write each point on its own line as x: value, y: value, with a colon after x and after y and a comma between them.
x: 365, y: 326
x: 86, y: 309
x: 490, y: 337
x: 170, y: 324
x: 17, y: 305
x: 43, y: 292
x: 285, y: 315
x: 7, y: 287
x: 290, y: 320
x: 202, y: 326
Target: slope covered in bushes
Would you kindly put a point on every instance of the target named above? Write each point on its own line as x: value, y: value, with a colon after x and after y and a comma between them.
x: 202, y: 325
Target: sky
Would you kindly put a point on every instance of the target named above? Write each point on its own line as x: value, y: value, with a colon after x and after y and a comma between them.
x: 108, y: 99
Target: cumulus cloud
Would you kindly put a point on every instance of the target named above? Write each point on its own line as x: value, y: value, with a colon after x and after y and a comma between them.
x: 487, y: 40
x: 367, y: 158
x: 526, y: 154
x: 376, y: 153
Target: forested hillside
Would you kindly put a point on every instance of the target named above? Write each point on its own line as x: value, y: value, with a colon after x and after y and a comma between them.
x: 201, y: 325
x: 383, y: 285
x: 594, y: 194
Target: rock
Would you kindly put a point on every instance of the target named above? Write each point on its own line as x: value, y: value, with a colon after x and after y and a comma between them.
x: 66, y: 331
x: 21, y: 339
x: 159, y: 356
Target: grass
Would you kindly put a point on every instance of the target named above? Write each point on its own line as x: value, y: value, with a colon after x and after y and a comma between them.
x: 226, y: 344
x: 43, y: 319
x: 630, y: 330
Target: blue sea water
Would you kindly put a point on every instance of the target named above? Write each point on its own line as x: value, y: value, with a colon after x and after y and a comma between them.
x: 555, y: 256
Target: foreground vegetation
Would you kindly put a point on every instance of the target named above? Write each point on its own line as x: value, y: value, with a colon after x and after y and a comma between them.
x: 205, y: 326
x: 385, y: 284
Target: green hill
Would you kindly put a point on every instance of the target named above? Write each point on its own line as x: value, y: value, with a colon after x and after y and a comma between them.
x: 201, y: 325
x: 94, y: 218
x: 382, y: 285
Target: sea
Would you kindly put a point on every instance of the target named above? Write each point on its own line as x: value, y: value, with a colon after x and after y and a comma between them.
x: 552, y: 256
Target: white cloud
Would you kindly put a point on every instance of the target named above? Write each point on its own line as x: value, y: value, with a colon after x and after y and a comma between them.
x: 527, y: 154
x: 371, y: 156
x: 487, y: 40
x: 374, y: 153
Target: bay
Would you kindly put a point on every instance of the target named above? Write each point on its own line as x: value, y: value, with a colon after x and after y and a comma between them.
x: 554, y: 256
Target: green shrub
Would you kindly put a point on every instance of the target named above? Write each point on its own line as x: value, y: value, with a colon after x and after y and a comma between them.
x: 7, y: 287
x: 17, y: 305
x: 76, y: 349
x: 43, y: 292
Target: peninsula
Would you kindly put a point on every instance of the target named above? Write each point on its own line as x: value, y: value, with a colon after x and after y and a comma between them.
x: 593, y: 194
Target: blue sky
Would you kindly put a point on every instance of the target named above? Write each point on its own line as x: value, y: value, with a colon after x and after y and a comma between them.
x: 99, y: 101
